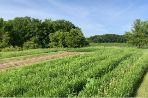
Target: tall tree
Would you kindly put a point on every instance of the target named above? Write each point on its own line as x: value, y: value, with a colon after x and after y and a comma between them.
x: 72, y: 39
x: 75, y: 38
x: 139, y: 34
x: 1, y: 28
x: 4, y: 36
x: 34, y: 33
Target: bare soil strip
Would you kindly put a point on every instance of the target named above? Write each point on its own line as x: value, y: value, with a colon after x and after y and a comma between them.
x: 14, y: 63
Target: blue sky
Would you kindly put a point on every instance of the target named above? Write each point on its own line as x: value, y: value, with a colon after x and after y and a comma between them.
x: 92, y: 16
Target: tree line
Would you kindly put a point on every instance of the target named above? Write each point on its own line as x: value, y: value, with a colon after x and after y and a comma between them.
x: 107, y: 38
x: 138, y: 36
x: 27, y: 32
x: 30, y: 32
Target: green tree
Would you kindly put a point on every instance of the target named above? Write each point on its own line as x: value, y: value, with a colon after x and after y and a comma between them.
x: 62, y: 26
x: 72, y: 39
x: 34, y: 33
x: 107, y: 38
x: 31, y: 44
x: 75, y: 38
x: 139, y: 34
x: 58, y: 39
x: 4, y: 42
x: 45, y: 29
x: 1, y: 28
x: 4, y: 36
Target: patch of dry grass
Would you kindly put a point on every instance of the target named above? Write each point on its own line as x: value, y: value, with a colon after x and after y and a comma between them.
x: 143, y: 90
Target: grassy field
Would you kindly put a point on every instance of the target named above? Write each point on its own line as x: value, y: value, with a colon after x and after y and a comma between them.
x: 100, y: 71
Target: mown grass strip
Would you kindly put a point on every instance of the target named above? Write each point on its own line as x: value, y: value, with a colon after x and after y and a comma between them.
x: 13, y: 54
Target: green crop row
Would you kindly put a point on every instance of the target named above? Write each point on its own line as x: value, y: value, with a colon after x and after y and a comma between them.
x: 120, y: 82
x: 102, y: 72
x: 50, y: 69
x: 72, y: 84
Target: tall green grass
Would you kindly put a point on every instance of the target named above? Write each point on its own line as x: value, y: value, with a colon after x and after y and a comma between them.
x: 99, y: 72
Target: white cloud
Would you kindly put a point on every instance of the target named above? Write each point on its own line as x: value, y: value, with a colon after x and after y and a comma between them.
x: 101, y: 17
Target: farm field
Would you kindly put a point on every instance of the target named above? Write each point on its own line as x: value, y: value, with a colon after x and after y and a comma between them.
x: 7, y: 63
x: 73, y: 48
x: 95, y: 71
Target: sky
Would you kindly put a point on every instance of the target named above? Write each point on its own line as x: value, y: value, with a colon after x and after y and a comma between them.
x: 94, y: 17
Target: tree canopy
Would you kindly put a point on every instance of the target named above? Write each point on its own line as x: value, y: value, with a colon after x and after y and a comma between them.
x: 107, y: 38
x: 138, y: 36
x: 34, y: 33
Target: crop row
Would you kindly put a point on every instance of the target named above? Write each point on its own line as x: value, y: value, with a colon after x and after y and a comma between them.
x: 119, y: 82
x: 100, y: 73
x: 46, y: 70
x: 55, y: 77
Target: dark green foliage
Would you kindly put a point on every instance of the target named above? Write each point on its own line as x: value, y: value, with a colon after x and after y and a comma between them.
x: 107, y: 38
x: 4, y: 41
x: 31, y: 44
x: 29, y: 32
x: 63, y: 26
x: 4, y: 36
x: 74, y: 38
x: 139, y: 34
x: 57, y: 39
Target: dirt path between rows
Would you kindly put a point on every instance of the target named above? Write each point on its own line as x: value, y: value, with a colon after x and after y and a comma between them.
x: 36, y: 59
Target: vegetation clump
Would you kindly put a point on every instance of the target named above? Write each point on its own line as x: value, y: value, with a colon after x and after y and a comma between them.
x: 138, y: 36
x: 29, y: 32
x: 107, y: 38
